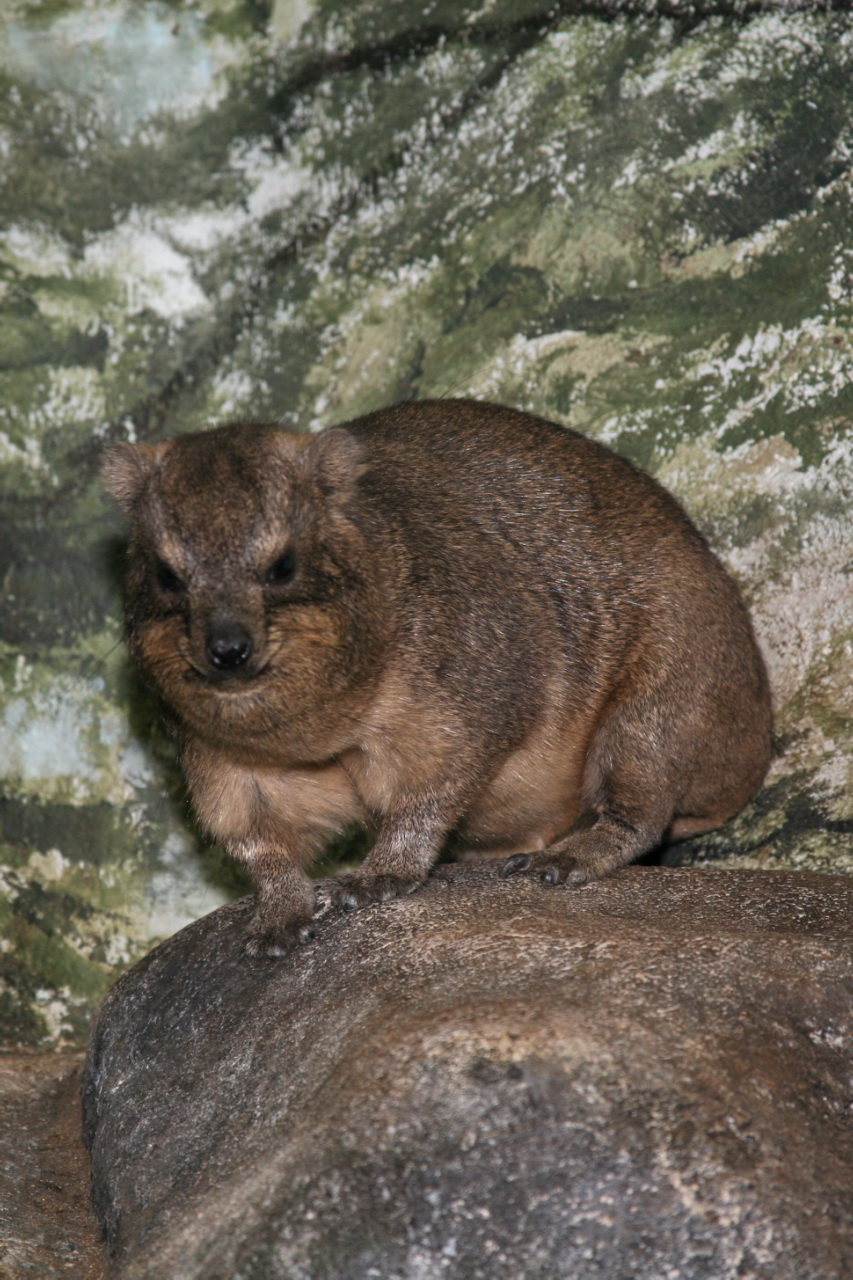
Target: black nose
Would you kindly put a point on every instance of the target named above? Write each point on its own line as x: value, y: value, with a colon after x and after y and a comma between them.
x: 229, y: 646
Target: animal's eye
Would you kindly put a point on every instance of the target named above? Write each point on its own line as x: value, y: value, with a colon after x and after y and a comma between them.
x: 167, y: 579
x: 282, y: 570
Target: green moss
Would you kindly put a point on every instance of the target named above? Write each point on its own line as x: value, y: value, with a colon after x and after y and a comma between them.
x: 640, y: 227
x: 787, y: 825
x: 234, y: 21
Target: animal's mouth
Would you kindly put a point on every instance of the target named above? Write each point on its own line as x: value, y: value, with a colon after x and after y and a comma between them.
x: 232, y: 684
x: 226, y: 683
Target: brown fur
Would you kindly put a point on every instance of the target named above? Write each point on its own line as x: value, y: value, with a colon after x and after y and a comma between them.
x: 494, y: 634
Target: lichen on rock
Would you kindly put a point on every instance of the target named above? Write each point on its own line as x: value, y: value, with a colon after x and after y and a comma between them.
x: 630, y: 221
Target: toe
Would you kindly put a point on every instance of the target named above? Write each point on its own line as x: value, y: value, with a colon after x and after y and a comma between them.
x: 517, y: 863
x: 271, y: 942
x: 349, y: 893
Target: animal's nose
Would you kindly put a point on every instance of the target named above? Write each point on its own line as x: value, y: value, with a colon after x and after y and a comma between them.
x: 229, y: 645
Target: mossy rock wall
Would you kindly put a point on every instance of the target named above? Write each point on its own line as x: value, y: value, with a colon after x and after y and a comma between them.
x: 634, y: 223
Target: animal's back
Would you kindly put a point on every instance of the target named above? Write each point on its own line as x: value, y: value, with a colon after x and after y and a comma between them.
x: 497, y: 501
x: 601, y: 595
x: 506, y: 476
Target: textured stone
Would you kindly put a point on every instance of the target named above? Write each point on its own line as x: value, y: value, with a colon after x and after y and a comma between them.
x: 47, y: 1229
x: 647, y: 1077
x: 632, y: 217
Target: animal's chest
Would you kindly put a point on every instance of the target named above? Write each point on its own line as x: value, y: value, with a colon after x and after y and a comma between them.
x: 236, y: 801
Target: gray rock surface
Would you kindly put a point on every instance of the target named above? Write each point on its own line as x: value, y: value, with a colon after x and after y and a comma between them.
x: 649, y: 1077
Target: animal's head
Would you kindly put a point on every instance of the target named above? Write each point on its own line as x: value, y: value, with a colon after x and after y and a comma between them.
x: 249, y: 595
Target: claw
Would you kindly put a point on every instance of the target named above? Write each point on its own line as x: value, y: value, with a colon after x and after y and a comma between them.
x: 348, y: 893
x: 549, y: 867
x: 518, y: 862
x: 271, y: 942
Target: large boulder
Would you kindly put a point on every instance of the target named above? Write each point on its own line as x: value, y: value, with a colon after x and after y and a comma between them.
x: 646, y: 1077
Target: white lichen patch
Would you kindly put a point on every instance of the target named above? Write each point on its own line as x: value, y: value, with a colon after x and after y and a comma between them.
x: 803, y: 365
x: 47, y: 867
x: 233, y: 393
x: 22, y: 458
x: 62, y: 740
x: 813, y: 595
x: 829, y: 761
x: 119, y: 952
x: 724, y: 146
x: 130, y: 62
x: 525, y: 371
x: 274, y: 182
x: 145, y: 270
x: 73, y: 400
x: 706, y: 67
x: 55, y: 1008
x: 179, y: 891
x: 706, y: 478
x: 799, y: 616
x: 201, y: 230
x: 36, y: 250
x: 288, y: 17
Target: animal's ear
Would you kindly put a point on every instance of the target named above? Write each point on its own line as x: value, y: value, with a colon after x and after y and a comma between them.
x: 125, y: 469
x: 334, y: 460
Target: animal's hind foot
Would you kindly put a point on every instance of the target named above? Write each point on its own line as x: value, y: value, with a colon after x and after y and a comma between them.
x: 551, y: 868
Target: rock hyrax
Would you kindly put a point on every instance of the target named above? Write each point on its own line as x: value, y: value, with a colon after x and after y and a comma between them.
x: 455, y: 624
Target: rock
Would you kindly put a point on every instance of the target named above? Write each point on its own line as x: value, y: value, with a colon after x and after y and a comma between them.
x: 47, y: 1229
x: 632, y: 216
x: 649, y: 1077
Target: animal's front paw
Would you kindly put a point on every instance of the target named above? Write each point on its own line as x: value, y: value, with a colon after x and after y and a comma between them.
x: 348, y: 893
x: 549, y: 867
x: 270, y: 938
